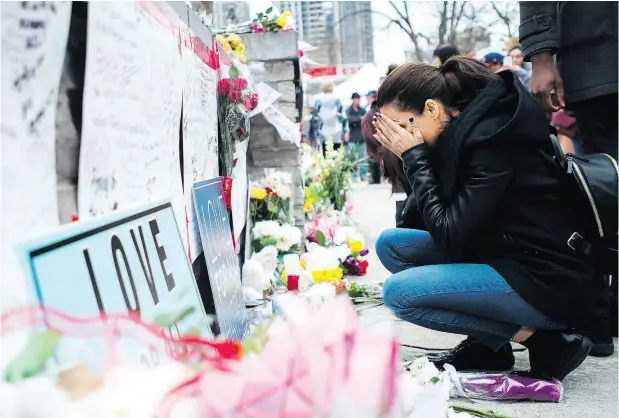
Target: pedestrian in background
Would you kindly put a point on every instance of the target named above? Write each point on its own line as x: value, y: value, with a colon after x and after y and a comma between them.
x: 443, y: 52
x: 356, y: 145
x: 332, y: 118
x: 582, y: 36
x: 494, y: 61
x: 518, y: 65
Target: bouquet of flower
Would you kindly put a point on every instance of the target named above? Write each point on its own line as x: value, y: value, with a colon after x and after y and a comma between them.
x: 272, y: 21
x: 329, y: 182
x: 286, y: 238
x: 233, y: 44
x: 236, y: 100
x: 271, y: 198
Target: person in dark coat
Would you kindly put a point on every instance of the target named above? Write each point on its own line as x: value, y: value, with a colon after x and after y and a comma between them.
x: 476, y: 150
x: 582, y: 37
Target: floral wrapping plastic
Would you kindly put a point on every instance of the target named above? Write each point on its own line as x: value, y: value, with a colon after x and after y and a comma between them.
x: 503, y: 387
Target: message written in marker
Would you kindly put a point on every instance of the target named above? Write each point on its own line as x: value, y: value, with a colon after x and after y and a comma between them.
x: 221, y: 260
x: 127, y: 262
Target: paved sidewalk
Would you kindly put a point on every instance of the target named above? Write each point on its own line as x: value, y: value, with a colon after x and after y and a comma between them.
x: 590, y: 391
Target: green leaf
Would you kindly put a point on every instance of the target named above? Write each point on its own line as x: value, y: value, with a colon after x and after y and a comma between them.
x: 320, y: 237
x: 234, y: 72
x: 435, y: 380
x: 271, y: 207
x: 260, y: 15
x: 269, y: 10
x: 31, y: 361
x: 268, y: 241
x: 169, y: 319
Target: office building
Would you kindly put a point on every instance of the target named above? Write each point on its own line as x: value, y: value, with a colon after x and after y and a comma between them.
x: 340, y: 30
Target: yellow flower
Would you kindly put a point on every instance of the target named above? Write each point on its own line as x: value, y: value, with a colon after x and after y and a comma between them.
x: 240, y: 48
x: 234, y: 40
x: 302, y: 263
x: 258, y: 193
x: 226, y: 46
x: 281, y: 21
x: 242, y: 58
x: 308, y: 206
x: 355, y: 246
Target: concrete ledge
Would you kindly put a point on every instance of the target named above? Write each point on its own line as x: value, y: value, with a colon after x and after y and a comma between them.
x: 271, y: 46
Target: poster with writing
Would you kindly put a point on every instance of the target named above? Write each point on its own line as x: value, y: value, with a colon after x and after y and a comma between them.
x: 222, y: 262
x: 132, y: 112
x: 126, y: 261
x: 34, y: 38
x: 200, y: 147
x: 240, y: 189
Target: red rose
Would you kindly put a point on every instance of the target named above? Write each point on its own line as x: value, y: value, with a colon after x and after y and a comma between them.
x: 253, y: 101
x: 247, y: 104
x: 239, y: 84
x: 223, y: 87
x: 268, y: 190
x: 235, y: 96
x: 363, y: 267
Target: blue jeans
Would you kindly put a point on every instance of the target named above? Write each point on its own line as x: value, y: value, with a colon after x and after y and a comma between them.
x: 426, y: 289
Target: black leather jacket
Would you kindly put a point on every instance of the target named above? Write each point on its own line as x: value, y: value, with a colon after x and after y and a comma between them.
x: 494, y: 157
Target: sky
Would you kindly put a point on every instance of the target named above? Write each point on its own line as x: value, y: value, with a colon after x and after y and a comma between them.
x: 390, y: 44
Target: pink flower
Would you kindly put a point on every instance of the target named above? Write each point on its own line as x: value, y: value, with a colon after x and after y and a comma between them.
x: 235, y: 96
x: 257, y: 27
x: 223, y: 87
x: 239, y: 84
x: 348, y: 205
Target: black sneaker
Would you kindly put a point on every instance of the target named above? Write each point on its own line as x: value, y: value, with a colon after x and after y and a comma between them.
x: 473, y: 355
x: 602, y: 346
x: 554, y: 354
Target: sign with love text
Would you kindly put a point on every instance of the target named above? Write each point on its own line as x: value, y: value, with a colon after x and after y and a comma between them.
x: 222, y: 262
x: 126, y: 262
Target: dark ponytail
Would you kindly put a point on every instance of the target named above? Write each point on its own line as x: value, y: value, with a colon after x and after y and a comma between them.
x: 456, y: 84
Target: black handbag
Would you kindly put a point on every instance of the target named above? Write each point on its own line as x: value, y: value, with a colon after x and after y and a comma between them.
x: 596, y: 180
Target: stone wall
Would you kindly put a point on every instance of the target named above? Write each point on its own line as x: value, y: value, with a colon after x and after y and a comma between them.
x: 267, y: 151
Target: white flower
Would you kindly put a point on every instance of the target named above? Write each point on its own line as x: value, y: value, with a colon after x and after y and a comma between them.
x: 320, y: 293
x: 288, y: 236
x: 320, y: 258
x: 265, y: 229
x: 280, y: 182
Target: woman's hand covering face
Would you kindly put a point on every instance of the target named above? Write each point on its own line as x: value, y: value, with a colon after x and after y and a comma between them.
x: 394, y: 137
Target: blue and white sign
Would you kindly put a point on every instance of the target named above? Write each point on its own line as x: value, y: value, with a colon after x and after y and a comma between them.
x: 130, y: 261
x: 222, y: 262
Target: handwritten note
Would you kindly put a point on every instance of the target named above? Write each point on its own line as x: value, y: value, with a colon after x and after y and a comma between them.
x: 34, y: 38
x: 132, y: 113
x: 239, y: 190
x: 199, y: 135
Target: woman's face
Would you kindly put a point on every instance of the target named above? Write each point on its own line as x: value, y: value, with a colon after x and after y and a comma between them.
x: 431, y: 121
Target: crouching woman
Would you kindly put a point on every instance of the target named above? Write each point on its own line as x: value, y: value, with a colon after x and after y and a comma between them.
x: 476, y: 151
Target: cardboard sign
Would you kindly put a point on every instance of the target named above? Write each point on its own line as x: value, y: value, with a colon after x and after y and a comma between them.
x: 221, y: 260
x: 131, y: 261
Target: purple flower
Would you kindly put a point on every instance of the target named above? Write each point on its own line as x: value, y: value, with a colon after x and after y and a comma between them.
x: 363, y: 253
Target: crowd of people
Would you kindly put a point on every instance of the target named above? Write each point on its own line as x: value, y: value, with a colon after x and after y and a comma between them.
x: 494, y: 241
